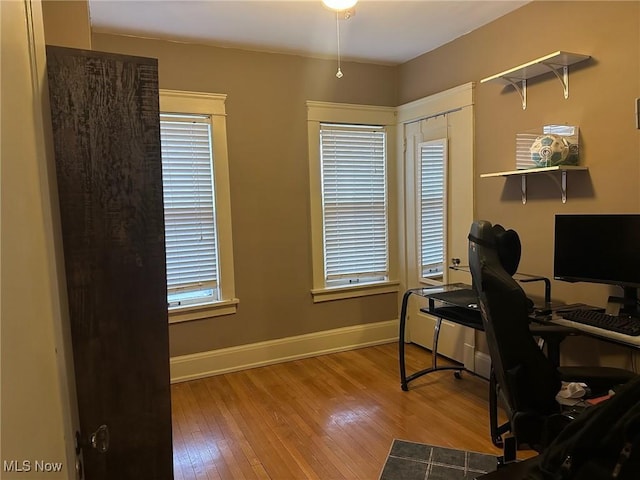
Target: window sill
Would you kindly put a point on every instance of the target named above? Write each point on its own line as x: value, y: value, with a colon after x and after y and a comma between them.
x: 199, y: 312
x: 353, y: 291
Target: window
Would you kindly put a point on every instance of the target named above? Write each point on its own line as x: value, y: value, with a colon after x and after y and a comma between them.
x: 354, y: 203
x: 189, y: 209
x: 350, y: 200
x: 433, y: 158
x: 196, y: 204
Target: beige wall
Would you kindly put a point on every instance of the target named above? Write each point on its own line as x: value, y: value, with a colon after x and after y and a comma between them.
x: 268, y: 165
x: 269, y: 177
x: 601, y: 101
x: 67, y: 23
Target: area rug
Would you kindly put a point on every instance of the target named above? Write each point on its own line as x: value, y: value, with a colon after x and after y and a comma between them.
x: 417, y: 461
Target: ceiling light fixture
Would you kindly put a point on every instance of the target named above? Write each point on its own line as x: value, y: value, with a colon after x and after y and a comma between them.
x: 339, y: 4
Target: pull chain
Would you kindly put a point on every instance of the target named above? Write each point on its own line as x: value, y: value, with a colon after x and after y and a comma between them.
x: 339, y: 73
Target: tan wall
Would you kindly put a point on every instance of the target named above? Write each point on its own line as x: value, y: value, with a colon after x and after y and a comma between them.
x: 268, y: 160
x: 267, y: 139
x: 601, y: 102
x: 67, y: 23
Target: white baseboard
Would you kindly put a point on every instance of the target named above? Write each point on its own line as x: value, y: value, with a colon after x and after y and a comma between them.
x: 232, y: 359
x: 482, y: 364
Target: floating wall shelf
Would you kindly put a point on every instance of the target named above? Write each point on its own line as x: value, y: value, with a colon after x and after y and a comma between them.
x: 557, y: 62
x: 563, y: 169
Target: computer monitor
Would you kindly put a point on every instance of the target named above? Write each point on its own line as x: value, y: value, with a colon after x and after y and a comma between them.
x: 600, y: 248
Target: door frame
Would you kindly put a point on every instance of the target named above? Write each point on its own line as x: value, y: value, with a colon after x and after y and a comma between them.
x: 461, y: 179
x: 56, y: 421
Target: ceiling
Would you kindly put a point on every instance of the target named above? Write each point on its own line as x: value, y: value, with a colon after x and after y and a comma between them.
x: 386, y: 32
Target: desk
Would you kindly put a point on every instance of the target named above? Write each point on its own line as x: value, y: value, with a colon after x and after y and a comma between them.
x: 457, y: 303
x: 459, y: 307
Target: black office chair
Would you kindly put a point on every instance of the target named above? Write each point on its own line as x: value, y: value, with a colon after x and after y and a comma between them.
x: 509, y: 251
x: 527, y: 381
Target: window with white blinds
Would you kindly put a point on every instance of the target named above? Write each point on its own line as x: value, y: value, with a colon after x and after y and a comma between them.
x: 354, y: 203
x: 433, y: 157
x: 189, y: 206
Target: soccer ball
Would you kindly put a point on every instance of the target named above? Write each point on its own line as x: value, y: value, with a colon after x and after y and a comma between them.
x: 549, y: 150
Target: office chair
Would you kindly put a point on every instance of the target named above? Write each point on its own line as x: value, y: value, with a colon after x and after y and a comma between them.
x: 509, y: 250
x: 526, y: 380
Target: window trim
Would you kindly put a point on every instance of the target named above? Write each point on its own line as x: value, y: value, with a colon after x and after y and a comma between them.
x: 174, y: 101
x: 326, y: 112
x: 458, y: 101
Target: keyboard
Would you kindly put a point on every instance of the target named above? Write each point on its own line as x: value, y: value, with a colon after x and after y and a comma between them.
x: 623, y: 324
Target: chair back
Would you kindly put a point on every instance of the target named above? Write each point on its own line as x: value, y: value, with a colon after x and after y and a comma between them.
x: 528, y: 381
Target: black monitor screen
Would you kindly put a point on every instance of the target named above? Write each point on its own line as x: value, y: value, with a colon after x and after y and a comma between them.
x: 598, y: 249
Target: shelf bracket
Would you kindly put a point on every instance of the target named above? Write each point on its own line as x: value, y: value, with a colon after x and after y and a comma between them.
x: 523, y: 174
x: 563, y: 184
x: 564, y: 79
x: 558, y: 62
x: 521, y: 89
x: 563, y: 187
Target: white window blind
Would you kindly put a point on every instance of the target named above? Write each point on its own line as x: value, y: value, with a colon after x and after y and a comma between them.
x: 432, y: 206
x: 189, y: 207
x: 354, y: 203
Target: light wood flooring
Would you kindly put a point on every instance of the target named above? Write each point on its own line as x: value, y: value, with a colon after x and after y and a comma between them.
x: 328, y: 417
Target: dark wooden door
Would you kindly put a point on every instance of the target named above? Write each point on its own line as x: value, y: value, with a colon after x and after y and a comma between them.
x: 107, y: 146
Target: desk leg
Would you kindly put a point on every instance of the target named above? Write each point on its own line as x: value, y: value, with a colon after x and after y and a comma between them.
x: 404, y: 379
x: 553, y: 350
x: 403, y: 321
x: 434, y: 350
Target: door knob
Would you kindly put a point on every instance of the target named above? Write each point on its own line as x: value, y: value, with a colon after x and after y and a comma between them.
x: 100, y: 439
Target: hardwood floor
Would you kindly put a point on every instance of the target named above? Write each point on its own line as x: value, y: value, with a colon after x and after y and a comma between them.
x: 328, y: 417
